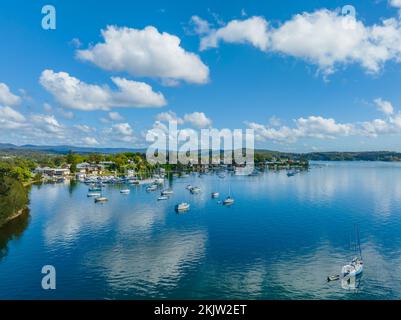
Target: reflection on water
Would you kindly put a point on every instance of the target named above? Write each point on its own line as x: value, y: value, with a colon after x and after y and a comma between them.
x: 12, y: 230
x: 281, y: 238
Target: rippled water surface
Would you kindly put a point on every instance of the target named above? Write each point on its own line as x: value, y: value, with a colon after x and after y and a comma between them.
x: 280, y: 239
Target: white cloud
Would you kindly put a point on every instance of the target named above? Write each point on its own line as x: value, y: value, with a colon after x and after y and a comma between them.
x: 384, y: 106
x: 122, y: 132
x: 90, y: 141
x: 47, y: 107
x: 328, y: 128
x: 253, y: 31
x: 123, y: 129
x: 146, y: 53
x: 169, y: 116
x: 84, y: 128
x: 319, y: 127
x: 46, y: 123
x: 66, y: 114
x: 115, y: 116
x: 198, y: 119
x: 72, y: 93
x: 395, y: 3
x: 324, y: 38
x: 310, y: 127
x: 274, y: 121
x: 10, y: 119
x: 75, y: 42
x: 7, y: 98
x: 200, y: 26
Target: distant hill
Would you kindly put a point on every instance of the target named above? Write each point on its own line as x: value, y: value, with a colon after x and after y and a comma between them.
x: 64, y: 149
x: 260, y: 154
x: 333, y: 156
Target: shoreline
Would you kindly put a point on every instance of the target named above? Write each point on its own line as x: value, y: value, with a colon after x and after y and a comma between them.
x: 12, y: 217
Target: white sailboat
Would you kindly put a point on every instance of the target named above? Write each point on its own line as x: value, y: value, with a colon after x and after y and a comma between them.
x: 355, y: 267
x: 229, y: 200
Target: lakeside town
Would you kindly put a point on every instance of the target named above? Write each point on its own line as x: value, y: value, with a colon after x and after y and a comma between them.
x: 18, y: 172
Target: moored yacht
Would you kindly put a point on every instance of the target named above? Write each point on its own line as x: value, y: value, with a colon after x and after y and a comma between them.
x: 228, y: 201
x: 167, y: 192
x: 101, y: 199
x: 183, y: 206
x: 195, y: 190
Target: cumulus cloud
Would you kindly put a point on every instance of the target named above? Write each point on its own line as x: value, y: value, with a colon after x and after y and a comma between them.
x: 122, y: 132
x: 312, y: 127
x: 395, y: 3
x: 146, y: 53
x: 46, y: 123
x: 169, y: 116
x: 10, y: 119
x: 200, y: 25
x: 40, y: 129
x: 253, y: 31
x: 66, y: 114
x: 198, y: 119
x: 90, y: 141
x: 384, y: 106
x: 328, y: 128
x: 7, y: 98
x: 84, y: 128
x: 324, y: 38
x: 70, y: 92
x: 115, y: 116
x: 47, y: 107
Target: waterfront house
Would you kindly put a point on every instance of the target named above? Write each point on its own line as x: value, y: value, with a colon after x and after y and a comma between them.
x: 53, y: 172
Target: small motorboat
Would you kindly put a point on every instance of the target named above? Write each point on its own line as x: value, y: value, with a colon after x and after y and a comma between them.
x: 195, y: 190
x: 167, y: 192
x: 188, y: 187
x: 215, y: 195
x: 291, y: 173
x: 183, y: 206
x: 162, y: 198
x: 101, y: 199
x: 125, y: 191
x: 152, y: 187
x: 93, y: 194
x: 334, y: 277
x: 95, y: 189
x: 228, y: 201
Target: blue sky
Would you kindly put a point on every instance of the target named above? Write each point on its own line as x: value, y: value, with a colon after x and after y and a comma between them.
x: 299, y: 73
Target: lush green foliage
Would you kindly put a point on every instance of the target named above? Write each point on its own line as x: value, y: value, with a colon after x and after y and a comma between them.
x: 13, y: 195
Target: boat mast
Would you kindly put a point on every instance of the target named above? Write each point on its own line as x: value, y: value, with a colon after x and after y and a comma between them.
x: 359, y: 242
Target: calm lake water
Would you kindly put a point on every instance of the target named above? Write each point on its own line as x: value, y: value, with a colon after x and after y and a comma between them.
x: 280, y: 240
